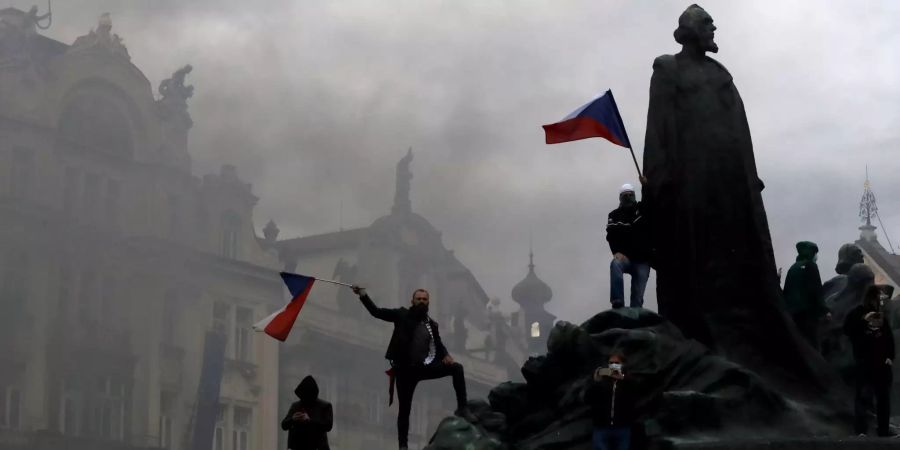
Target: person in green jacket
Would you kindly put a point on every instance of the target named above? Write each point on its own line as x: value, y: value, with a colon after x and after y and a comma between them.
x: 803, y: 293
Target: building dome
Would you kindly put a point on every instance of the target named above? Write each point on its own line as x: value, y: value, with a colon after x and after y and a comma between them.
x: 532, y: 290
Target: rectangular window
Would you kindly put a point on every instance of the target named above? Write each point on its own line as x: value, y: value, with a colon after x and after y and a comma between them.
x: 229, y: 243
x: 11, y: 408
x: 373, y: 407
x: 231, y: 225
x: 14, y: 284
x: 86, y: 295
x: 174, y: 216
x: 112, y: 203
x: 70, y: 191
x: 109, y: 304
x: 91, y: 196
x: 243, y: 334
x: 65, y: 286
x: 111, y: 408
x: 22, y: 172
x: 221, y: 317
x: 420, y: 420
x: 166, y: 408
x: 170, y: 318
x: 242, y: 427
x: 219, y: 434
x: 69, y: 413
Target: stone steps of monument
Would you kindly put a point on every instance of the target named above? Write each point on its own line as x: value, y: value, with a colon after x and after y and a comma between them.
x: 850, y: 443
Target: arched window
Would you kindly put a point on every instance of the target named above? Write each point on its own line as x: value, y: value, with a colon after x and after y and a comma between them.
x: 231, y: 225
x: 535, y: 330
x: 95, y: 119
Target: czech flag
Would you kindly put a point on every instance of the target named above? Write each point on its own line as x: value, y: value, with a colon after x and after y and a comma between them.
x: 598, y: 118
x: 279, y: 324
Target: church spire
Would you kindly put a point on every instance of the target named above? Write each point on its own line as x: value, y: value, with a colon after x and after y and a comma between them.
x: 530, y: 253
x: 868, y: 210
x: 402, y: 203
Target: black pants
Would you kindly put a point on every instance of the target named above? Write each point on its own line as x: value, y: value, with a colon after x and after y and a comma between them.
x: 409, y: 377
x: 873, y: 383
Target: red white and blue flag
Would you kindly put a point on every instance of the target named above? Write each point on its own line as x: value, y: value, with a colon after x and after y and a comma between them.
x: 279, y: 324
x: 598, y: 118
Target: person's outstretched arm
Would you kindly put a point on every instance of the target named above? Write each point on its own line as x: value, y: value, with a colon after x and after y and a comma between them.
x: 386, y: 314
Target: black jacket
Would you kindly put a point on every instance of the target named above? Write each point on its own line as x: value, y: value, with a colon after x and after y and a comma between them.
x: 404, y: 325
x: 311, y: 435
x: 626, y: 232
x: 612, y: 402
x: 803, y: 290
x: 870, y: 347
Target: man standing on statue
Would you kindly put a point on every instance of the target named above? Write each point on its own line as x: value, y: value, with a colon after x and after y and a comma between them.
x: 627, y: 236
x: 417, y: 353
x: 803, y: 293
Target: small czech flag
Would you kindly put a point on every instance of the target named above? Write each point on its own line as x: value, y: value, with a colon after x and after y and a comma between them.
x: 279, y: 324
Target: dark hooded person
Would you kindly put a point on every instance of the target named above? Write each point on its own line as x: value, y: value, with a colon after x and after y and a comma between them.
x: 416, y: 353
x: 308, y: 420
x: 873, y: 351
x: 803, y: 293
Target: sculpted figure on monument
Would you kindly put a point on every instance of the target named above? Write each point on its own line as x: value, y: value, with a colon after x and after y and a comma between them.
x: 174, y: 89
x: 848, y: 255
x: 835, y: 345
x: 404, y: 177
x: 173, y: 97
x: 102, y: 38
x: 716, y: 276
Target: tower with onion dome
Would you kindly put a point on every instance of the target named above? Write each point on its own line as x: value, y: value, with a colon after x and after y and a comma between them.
x: 532, y: 294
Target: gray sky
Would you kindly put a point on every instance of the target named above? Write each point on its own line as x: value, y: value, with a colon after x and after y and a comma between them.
x: 316, y: 100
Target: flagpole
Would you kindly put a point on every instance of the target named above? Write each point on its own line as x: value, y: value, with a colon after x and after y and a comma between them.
x: 334, y: 282
x: 619, y: 117
x: 319, y: 279
x: 636, y: 166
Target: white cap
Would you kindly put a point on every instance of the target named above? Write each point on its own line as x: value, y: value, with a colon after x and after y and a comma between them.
x: 626, y: 188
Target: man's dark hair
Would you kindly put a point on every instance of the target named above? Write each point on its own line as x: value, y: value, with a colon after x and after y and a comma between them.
x: 617, y: 354
x: 421, y: 290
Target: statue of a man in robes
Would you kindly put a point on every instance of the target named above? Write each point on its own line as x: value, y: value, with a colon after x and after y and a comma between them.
x: 716, y: 275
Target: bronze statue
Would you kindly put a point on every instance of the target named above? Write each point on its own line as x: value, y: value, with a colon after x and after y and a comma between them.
x: 716, y: 273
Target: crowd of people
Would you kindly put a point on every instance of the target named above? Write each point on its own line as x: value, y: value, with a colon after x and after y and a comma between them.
x: 416, y: 352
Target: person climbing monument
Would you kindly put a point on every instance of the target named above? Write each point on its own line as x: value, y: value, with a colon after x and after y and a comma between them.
x: 416, y: 353
x: 803, y: 293
x: 308, y: 420
x: 873, y: 351
x: 626, y: 233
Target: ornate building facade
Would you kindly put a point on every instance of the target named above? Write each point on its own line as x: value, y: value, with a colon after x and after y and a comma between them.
x: 115, y: 260
x: 117, y: 264
x: 336, y: 340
